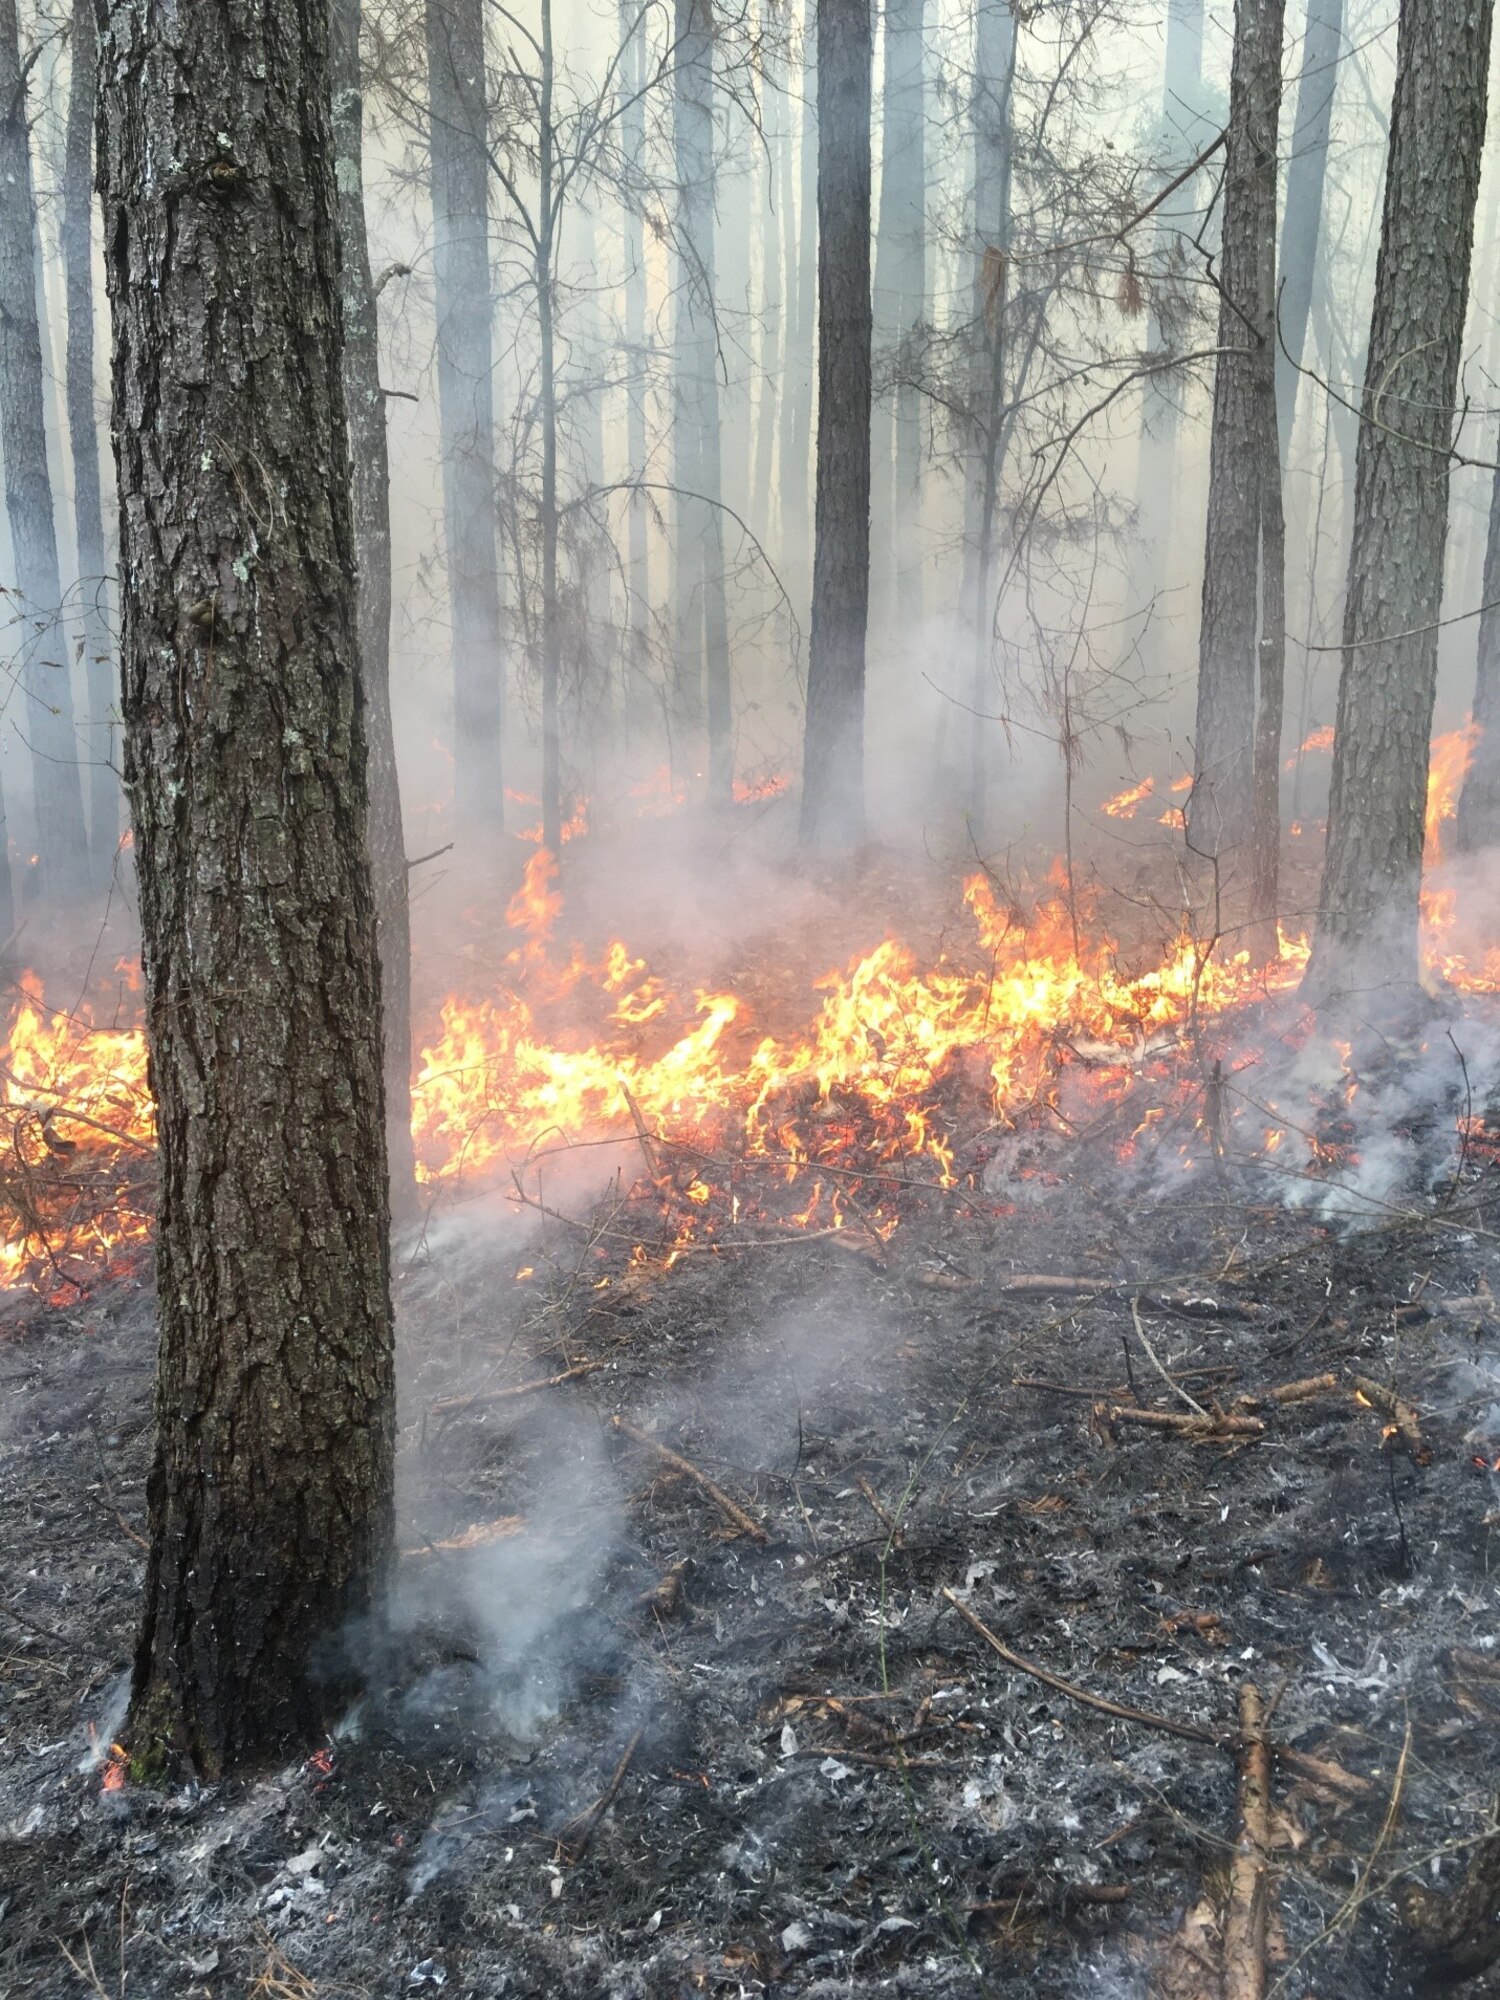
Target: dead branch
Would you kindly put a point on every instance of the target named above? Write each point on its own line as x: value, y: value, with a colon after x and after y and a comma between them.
x: 1289, y: 1392
x: 730, y: 1509
x: 480, y: 1536
x: 1407, y: 1425
x: 887, y: 1520
x: 447, y: 1406
x: 1151, y: 1355
x: 573, y: 1841
x: 1315, y: 1768
x: 1249, y: 1878
x: 1209, y: 1425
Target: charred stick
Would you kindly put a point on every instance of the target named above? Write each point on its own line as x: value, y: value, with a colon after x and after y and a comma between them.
x: 886, y: 1519
x: 1249, y: 1878
x: 1206, y: 1426
x: 1151, y: 1355
x: 31, y: 1624
x: 730, y: 1509
x: 1407, y: 1425
x: 1290, y: 1392
x: 480, y: 1536
x: 876, y: 1758
x: 574, y: 1839
x: 1192, y: 1732
x: 648, y: 1148
x: 1315, y: 1768
x: 448, y: 1406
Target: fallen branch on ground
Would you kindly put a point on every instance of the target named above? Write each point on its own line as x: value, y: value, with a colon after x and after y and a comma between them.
x: 730, y: 1509
x: 1249, y: 1875
x: 447, y: 1406
x: 1404, y: 1420
x: 1315, y: 1768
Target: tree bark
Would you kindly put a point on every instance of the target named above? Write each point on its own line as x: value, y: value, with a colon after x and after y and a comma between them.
x: 461, y: 277
x: 1156, y: 467
x: 702, y: 612
x: 990, y: 112
x: 1220, y: 808
x: 633, y: 149
x: 1368, y: 917
x: 901, y: 300
x: 37, y: 634
x: 271, y: 1490
x: 801, y: 358
x: 370, y: 504
x: 833, y: 807
x: 1478, y: 824
x: 1302, y: 226
x: 83, y: 439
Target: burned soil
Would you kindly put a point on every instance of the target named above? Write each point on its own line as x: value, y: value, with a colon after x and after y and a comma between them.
x: 617, y: 1742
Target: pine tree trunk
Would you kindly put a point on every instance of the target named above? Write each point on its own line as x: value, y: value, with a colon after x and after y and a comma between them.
x: 770, y: 319
x: 703, y: 620
x: 637, y: 575
x: 1479, y: 803
x: 833, y: 807
x: 371, y: 510
x: 83, y: 438
x: 1156, y: 466
x: 1220, y: 806
x: 1368, y: 917
x: 802, y: 361
x: 1302, y: 227
x: 995, y: 50
x: 36, y: 632
x: 900, y: 302
x: 271, y: 1489
x: 461, y: 278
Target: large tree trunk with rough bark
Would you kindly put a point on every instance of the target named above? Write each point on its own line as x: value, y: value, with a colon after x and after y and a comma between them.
x: 271, y: 1489
x: 77, y: 236
x: 833, y: 808
x: 369, y: 493
x: 702, y: 613
x: 33, y: 628
x: 1220, y: 807
x: 900, y: 302
x: 1302, y: 225
x: 1368, y: 917
x: 461, y: 280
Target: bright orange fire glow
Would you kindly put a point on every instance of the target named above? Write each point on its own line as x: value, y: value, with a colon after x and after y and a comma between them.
x: 1320, y: 739
x: 808, y: 1111
x: 1123, y: 804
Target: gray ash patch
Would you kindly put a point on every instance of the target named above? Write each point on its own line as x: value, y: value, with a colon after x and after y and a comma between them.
x: 618, y: 1750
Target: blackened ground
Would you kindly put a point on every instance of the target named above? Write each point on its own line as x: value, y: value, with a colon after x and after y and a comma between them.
x: 830, y: 1785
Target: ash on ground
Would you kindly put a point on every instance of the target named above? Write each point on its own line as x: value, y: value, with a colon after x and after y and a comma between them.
x: 613, y: 1745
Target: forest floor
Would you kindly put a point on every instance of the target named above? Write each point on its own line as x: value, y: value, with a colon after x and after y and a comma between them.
x: 817, y: 1777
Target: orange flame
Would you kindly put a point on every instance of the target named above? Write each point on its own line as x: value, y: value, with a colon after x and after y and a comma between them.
x: 1123, y: 804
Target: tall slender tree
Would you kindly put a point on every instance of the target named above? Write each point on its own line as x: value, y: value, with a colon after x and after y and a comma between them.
x: 833, y: 798
x: 632, y: 81
x: 1244, y: 506
x: 1478, y: 824
x: 1369, y: 913
x: 990, y: 114
x: 901, y: 298
x: 1181, y: 130
x: 702, y: 611
x: 461, y: 277
x: 270, y: 1494
x: 36, y: 589
x: 369, y: 466
x: 802, y: 308
x: 83, y: 438
x: 1306, y: 176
